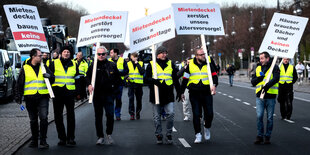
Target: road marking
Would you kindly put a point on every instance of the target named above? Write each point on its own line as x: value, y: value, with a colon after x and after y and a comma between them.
x: 219, y: 92
x: 302, y: 99
x: 254, y: 107
x: 246, y: 103
x: 230, y: 96
x: 306, y: 128
x: 224, y: 94
x: 174, y: 130
x: 184, y: 142
x: 290, y: 121
x: 237, y: 99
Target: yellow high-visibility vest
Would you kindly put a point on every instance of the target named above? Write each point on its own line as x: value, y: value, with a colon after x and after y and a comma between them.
x: 286, y: 76
x: 62, y: 78
x: 119, y: 64
x: 196, y: 74
x: 259, y: 86
x: 164, y: 75
x: 83, y: 67
x: 134, y: 74
x: 34, y: 83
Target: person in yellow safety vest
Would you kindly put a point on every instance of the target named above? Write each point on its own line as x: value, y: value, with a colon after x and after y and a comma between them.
x: 135, y: 84
x: 166, y: 81
x: 121, y: 65
x: 31, y: 85
x: 185, y: 99
x: 45, y: 58
x: 89, y: 61
x: 288, y: 76
x: 200, y: 92
x: 83, y: 67
x: 268, y: 102
x: 65, y: 71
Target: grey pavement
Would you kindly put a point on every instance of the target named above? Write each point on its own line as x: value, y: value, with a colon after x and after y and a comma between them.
x: 15, y: 126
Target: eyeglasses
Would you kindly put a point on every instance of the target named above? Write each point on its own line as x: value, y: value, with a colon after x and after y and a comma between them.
x: 101, y: 54
x: 201, y: 54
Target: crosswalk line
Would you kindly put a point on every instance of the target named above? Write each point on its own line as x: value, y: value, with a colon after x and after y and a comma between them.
x: 306, y: 128
x: 174, y: 130
x: 246, y: 103
x: 184, y: 142
x: 237, y: 99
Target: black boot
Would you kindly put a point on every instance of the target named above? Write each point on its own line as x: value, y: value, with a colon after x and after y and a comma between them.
x: 33, y: 143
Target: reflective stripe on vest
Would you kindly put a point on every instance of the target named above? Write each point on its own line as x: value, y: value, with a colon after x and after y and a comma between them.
x: 196, y: 74
x: 62, y: 78
x: 259, y: 86
x: 134, y: 74
x: 286, y: 76
x: 164, y: 75
x: 119, y: 64
x: 34, y: 83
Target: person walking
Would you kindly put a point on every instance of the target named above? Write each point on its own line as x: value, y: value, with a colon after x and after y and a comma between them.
x: 288, y: 76
x: 106, y: 88
x: 200, y: 93
x: 135, y: 84
x: 167, y: 80
x: 121, y: 64
x: 83, y: 67
x: 231, y: 71
x: 31, y: 85
x: 268, y: 102
x: 185, y: 96
x: 300, y: 71
x: 64, y: 87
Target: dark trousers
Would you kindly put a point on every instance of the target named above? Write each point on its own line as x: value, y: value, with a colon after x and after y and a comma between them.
x: 132, y: 92
x: 285, y: 99
x: 118, y: 100
x: 82, y: 90
x: 105, y: 102
x: 199, y: 101
x: 38, y: 108
x: 59, y: 103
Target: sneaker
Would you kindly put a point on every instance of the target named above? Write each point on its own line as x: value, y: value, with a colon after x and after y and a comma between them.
x: 132, y: 117
x: 169, y: 139
x: 100, y: 141
x: 198, y: 138
x: 71, y: 142
x: 159, y: 139
x: 43, y: 145
x: 62, y: 143
x: 186, y: 118
x: 207, y: 134
x: 33, y: 144
x: 110, y: 140
x: 267, y: 140
x: 259, y: 140
x: 118, y: 118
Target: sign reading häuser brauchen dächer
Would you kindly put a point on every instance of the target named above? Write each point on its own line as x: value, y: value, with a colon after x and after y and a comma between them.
x: 198, y: 19
x: 26, y: 27
x: 283, y: 35
x: 104, y: 27
x: 151, y: 30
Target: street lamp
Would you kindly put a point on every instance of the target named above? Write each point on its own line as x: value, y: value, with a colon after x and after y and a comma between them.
x: 264, y: 25
x: 251, y: 28
x: 233, y: 33
x: 183, y: 51
x: 226, y: 33
x: 1, y: 27
x: 297, y: 11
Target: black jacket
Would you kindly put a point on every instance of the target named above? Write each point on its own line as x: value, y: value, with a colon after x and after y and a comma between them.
x: 20, y: 83
x: 276, y: 76
x: 166, y: 94
x: 107, y: 78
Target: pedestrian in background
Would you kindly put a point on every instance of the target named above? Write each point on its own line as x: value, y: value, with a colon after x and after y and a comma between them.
x: 83, y: 67
x: 185, y: 96
x: 288, y: 76
x: 64, y: 87
x: 31, y: 85
x: 308, y: 68
x: 231, y: 71
x: 268, y: 102
x: 300, y: 71
x: 106, y: 87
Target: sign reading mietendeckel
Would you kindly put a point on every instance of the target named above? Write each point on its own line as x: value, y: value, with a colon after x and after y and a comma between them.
x: 283, y: 35
x: 26, y: 27
x: 198, y: 19
x: 104, y: 27
x: 151, y: 30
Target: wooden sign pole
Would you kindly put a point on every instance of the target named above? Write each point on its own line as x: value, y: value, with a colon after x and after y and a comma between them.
x: 93, y: 78
x: 155, y: 74
x: 269, y: 75
x: 47, y: 81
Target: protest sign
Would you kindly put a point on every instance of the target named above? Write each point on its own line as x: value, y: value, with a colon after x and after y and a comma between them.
x: 283, y: 35
x: 198, y: 19
x: 104, y: 27
x: 26, y: 27
x: 151, y: 29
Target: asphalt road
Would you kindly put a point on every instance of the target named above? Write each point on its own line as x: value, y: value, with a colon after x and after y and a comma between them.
x: 233, y: 130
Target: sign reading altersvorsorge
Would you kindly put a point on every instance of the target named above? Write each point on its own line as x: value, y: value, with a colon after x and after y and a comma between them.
x: 151, y: 29
x: 198, y: 19
x: 283, y: 35
x: 104, y: 27
x: 26, y: 27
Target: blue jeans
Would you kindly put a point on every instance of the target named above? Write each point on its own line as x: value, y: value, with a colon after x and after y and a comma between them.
x: 261, y: 105
x: 157, y: 110
x: 231, y: 79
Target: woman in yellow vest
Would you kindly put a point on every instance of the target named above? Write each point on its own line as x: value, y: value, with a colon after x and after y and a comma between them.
x: 65, y: 71
x: 31, y: 85
x: 271, y: 90
x: 135, y: 83
x: 288, y: 76
x: 83, y: 67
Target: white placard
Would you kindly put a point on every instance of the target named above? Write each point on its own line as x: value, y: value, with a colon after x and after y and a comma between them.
x: 26, y: 27
x: 103, y: 27
x: 198, y: 19
x: 151, y: 29
x: 283, y: 35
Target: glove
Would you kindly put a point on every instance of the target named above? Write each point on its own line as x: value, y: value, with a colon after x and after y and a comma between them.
x: 265, y: 88
x: 46, y: 75
x: 261, y: 74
